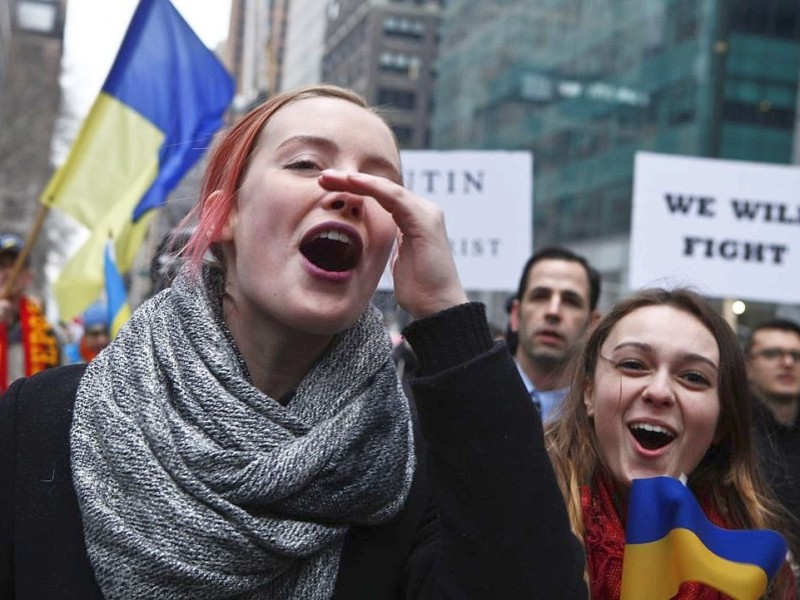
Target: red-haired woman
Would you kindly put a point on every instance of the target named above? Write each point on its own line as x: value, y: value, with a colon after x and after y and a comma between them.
x: 245, y: 435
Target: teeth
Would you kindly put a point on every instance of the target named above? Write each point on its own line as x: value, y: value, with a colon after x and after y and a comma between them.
x: 336, y: 236
x: 652, y: 428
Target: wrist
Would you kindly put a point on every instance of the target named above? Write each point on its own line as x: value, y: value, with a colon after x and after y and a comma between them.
x: 449, y: 337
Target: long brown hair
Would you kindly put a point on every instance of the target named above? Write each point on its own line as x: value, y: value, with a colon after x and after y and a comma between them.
x: 727, y: 473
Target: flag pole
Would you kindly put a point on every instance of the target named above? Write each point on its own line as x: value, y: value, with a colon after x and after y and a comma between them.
x: 33, y: 234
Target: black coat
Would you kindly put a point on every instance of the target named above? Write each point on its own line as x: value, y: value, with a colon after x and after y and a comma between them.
x: 484, y: 518
x: 778, y: 450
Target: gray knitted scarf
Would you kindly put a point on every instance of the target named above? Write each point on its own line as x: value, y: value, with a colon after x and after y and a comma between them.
x: 192, y: 483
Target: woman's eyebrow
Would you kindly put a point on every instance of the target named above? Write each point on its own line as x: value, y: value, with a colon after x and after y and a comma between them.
x: 637, y: 345
x: 686, y: 357
x: 308, y: 140
x: 691, y: 356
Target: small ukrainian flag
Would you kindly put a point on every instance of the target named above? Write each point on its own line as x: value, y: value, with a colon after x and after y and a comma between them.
x: 669, y: 541
x: 119, y: 310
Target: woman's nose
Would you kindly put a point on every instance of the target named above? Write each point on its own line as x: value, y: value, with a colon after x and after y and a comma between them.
x: 659, y: 389
x: 351, y: 205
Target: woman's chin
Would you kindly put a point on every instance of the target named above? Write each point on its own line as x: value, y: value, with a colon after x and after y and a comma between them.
x: 327, y: 323
x: 629, y: 476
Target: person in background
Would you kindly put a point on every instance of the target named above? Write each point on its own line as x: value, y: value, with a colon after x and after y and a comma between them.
x: 246, y: 435
x: 773, y: 371
x: 28, y: 342
x: 658, y: 390
x: 555, y: 305
x: 95, y: 331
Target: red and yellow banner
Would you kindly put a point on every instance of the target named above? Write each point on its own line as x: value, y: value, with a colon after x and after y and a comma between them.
x: 41, y: 348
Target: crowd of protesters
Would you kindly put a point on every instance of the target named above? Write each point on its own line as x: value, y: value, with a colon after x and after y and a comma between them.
x: 247, y: 433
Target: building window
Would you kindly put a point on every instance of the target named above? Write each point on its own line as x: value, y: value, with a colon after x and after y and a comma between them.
x: 762, y: 113
x: 403, y: 134
x: 399, y: 63
x: 777, y: 18
x: 37, y: 16
x: 397, y: 98
x: 403, y: 27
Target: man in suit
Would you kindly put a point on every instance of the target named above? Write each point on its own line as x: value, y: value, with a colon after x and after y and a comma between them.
x: 773, y: 370
x: 555, y: 304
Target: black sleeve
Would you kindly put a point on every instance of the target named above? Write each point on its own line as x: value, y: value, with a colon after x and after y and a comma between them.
x: 42, y: 552
x: 7, y: 454
x: 498, y: 526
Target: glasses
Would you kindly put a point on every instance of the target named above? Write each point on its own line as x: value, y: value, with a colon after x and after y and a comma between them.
x: 779, y: 353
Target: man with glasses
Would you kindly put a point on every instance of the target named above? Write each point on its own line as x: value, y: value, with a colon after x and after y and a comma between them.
x: 773, y: 369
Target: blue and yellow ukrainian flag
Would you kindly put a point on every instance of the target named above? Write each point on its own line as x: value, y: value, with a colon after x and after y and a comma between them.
x: 119, y: 310
x: 161, y: 103
x: 669, y: 541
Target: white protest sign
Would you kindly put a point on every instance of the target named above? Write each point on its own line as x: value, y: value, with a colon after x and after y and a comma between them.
x: 730, y: 229
x: 487, y: 198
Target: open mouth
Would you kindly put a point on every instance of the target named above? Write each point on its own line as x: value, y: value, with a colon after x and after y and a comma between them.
x: 332, y: 250
x: 651, y: 437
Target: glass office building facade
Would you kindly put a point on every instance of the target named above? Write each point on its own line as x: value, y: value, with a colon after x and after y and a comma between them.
x: 584, y: 84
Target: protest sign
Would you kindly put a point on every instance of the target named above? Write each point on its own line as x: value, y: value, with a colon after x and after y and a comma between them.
x: 730, y: 229
x: 487, y: 198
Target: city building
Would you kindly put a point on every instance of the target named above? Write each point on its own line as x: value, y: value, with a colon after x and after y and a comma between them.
x: 386, y: 52
x: 5, y: 40
x: 304, y: 44
x: 31, y: 46
x: 585, y: 84
x: 249, y: 53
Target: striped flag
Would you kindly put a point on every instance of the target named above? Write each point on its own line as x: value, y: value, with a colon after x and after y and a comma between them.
x: 669, y: 540
x: 119, y: 310
x: 161, y: 103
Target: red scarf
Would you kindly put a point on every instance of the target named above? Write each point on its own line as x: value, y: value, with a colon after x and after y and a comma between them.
x: 40, y: 344
x: 605, y: 543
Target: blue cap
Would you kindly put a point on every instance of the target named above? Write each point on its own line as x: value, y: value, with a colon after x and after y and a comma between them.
x: 96, y: 314
x: 11, y: 242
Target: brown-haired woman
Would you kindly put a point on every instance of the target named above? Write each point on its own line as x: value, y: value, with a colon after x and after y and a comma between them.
x: 659, y: 389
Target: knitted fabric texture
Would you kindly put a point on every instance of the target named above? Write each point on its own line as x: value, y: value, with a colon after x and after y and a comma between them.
x: 192, y: 483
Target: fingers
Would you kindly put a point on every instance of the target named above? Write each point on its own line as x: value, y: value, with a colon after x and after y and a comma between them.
x: 409, y: 210
x: 425, y: 277
x: 384, y: 190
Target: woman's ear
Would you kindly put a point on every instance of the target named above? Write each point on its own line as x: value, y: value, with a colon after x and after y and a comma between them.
x: 588, y: 397
x: 226, y: 232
